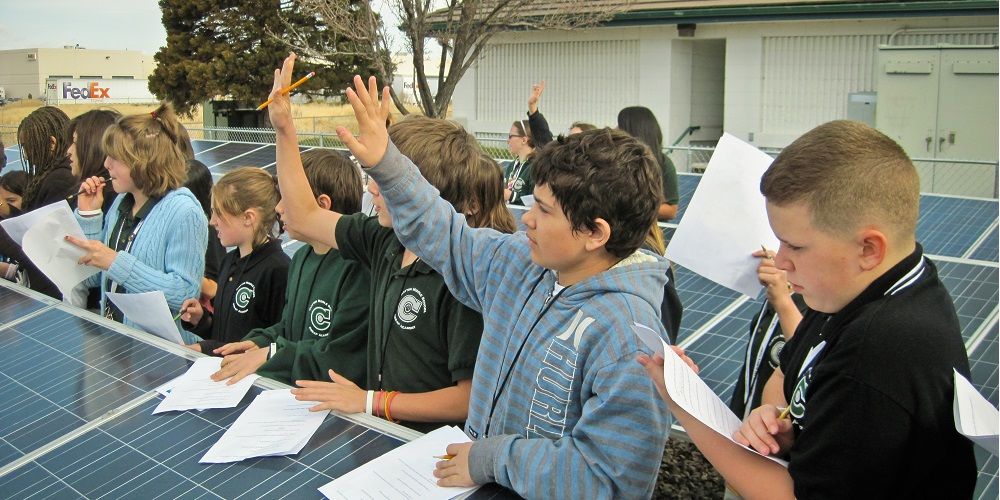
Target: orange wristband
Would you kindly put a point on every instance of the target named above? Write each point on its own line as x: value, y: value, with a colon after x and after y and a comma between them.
x: 388, y: 402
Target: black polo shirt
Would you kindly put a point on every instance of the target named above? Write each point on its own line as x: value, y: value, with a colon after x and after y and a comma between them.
x: 871, y: 390
x: 420, y: 338
x: 120, y: 240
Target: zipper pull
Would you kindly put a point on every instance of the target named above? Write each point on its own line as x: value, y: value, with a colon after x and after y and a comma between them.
x: 548, y: 297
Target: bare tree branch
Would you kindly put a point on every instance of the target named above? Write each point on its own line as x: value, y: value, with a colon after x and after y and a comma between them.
x: 462, y: 28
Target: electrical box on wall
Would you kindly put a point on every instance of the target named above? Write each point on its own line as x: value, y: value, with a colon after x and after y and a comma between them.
x: 861, y: 107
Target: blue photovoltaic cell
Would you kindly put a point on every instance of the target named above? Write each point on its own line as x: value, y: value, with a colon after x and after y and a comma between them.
x: 255, y: 158
x: 13, y: 159
x: 200, y: 145
x: 686, y: 185
x: 974, y: 289
x: 14, y: 305
x: 139, y: 455
x: 983, y: 365
x: 988, y: 249
x: 702, y: 300
x: 720, y: 351
x: 224, y: 153
x: 59, y: 371
x: 949, y: 226
x: 986, y: 485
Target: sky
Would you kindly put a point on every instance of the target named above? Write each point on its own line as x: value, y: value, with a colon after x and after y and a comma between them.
x: 104, y: 24
x: 107, y: 24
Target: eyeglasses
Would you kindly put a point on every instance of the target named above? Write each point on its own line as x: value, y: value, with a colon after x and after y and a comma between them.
x: 511, y: 136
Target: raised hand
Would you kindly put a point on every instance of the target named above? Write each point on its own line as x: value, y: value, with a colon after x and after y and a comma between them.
x: 371, y: 114
x: 280, y: 109
x: 536, y: 94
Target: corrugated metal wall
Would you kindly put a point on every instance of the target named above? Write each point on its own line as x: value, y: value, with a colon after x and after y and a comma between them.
x: 807, y: 79
x: 592, y: 79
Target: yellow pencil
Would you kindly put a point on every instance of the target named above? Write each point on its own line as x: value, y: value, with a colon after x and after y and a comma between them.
x: 444, y: 457
x: 785, y: 412
x: 288, y: 89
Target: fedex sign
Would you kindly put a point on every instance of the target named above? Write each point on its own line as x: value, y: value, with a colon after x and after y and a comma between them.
x: 92, y: 91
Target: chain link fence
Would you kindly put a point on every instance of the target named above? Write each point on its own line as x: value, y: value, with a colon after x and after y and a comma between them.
x: 939, y: 176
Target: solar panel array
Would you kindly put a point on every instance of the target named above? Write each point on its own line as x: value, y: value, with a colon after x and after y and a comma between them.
x: 79, y: 391
x: 960, y: 235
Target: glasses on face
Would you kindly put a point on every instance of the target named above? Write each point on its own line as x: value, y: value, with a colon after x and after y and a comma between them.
x: 511, y: 136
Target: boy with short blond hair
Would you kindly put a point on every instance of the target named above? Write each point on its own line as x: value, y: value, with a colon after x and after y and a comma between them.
x: 868, y: 374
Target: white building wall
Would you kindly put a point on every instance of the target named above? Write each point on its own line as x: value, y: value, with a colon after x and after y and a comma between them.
x: 781, y: 78
x: 25, y: 71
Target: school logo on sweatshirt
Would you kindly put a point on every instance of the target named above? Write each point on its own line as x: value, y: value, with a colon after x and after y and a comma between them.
x: 320, y: 314
x: 411, y: 305
x: 243, y: 297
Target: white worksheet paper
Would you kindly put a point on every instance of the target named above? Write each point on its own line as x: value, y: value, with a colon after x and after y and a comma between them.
x: 692, y: 394
x: 406, y: 472
x: 975, y: 417
x: 55, y: 257
x: 274, y: 424
x: 195, y: 390
x: 150, y: 312
x: 726, y: 220
x: 17, y: 226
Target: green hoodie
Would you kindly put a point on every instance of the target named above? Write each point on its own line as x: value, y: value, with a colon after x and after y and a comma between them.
x: 324, y: 323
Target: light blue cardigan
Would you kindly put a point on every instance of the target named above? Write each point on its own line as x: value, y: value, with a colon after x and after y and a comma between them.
x: 168, y: 253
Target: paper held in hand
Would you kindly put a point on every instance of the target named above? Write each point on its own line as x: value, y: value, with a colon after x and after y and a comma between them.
x: 55, y: 257
x: 150, y: 312
x: 726, y: 220
x: 691, y: 393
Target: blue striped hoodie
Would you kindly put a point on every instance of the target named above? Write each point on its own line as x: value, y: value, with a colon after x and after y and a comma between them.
x: 577, y: 417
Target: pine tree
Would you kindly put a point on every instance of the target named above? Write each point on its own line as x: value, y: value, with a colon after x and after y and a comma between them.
x: 229, y: 48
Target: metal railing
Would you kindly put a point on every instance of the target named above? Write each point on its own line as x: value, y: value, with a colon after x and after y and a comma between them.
x: 976, y: 178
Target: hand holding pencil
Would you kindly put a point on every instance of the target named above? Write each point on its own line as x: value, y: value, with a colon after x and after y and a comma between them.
x: 278, y: 104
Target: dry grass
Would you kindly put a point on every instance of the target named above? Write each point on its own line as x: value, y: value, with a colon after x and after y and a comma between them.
x: 311, y: 117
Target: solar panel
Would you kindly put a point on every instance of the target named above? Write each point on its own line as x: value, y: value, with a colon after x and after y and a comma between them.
x: 950, y: 226
x: 60, y: 371
x: 14, y: 305
x: 686, y: 185
x: 703, y: 300
x: 259, y: 157
x: 13, y: 154
x: 225, y: 152
x: 974, y: 289
x: 720, y: 350
x: 77, y: 421
x: 140, y: 455
x: 988, y: 249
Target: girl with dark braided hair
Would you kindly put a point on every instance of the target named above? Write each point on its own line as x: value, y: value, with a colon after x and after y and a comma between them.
x: 41, y: 137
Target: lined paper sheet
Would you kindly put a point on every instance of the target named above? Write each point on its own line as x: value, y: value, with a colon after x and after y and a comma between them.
x: 195, y: 390
x: 405, y: 473
x: 274, y: 424
x: 975, y: 417
x: 692, y: 394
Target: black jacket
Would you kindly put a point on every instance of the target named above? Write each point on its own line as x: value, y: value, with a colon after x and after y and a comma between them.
x: 251, y: 294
